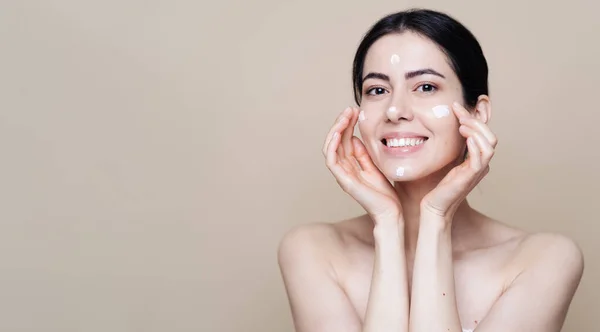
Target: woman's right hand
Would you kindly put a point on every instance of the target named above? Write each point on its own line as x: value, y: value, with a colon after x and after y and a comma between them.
x: 348, y: 160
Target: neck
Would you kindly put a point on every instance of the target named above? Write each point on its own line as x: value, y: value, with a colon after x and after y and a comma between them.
x: 411, y: 194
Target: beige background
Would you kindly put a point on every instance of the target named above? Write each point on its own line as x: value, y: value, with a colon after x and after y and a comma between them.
x: 154, y: 152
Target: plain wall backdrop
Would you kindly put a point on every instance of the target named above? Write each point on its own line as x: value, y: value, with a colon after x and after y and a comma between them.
x: 153, y: 153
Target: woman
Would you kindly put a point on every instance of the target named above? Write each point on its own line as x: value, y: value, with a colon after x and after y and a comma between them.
x: 421, y: 259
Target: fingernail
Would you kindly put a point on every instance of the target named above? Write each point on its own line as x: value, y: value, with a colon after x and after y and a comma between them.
x: 455, y: 104
x: 336, y: 134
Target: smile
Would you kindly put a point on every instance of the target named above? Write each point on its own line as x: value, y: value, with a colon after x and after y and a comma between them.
x: 402, y: 145
x: 403, y: 142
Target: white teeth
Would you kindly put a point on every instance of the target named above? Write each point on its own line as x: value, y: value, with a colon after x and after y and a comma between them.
x: 402, y: 142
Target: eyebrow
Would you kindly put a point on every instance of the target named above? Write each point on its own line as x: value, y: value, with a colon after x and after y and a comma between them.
x: 407, y: 75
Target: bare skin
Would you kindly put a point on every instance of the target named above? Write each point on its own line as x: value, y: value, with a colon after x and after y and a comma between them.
x: 421, y: 259
x: 488, y: 256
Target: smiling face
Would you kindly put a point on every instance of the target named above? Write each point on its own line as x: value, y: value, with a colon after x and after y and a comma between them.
x: 407, y: 123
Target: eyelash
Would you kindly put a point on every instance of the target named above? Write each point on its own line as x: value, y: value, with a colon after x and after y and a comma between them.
x: 429, y: 84
x: 368, y: 92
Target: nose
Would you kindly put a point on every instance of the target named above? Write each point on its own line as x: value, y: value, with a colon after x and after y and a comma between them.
x: 398, y: 113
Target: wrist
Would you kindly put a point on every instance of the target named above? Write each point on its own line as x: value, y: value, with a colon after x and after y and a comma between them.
x: 388, y: 234
x: 435, y: 221
x: 388, y: 219
x: 437, y: 215
x: 389, y: 224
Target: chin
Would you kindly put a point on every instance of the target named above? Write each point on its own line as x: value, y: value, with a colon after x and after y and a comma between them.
x: 408, y: 170
x: 402, y: 170
x: 408, y: 178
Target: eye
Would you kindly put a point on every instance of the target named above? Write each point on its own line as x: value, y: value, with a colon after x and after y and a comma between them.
x: 376, y: 91
x: 427, y: 88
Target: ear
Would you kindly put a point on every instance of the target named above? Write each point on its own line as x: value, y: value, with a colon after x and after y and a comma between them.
x: 483, y: 109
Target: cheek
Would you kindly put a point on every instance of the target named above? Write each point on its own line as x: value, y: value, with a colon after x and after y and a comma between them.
x: 361, y: 116
x: 366, y: 121
x: 436, y: 112
x: 366, y: 128
x: 450, y: 138
x: 440, y: 111
x: 363, y: 126
x: 442, y: 122
x: 439, y: 119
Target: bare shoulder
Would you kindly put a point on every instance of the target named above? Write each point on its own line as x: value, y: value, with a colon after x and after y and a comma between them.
x: 551, y: 255
x: 539, y: 249
x: 306, y: 239
x: 307, y: 256
x: 552, y: 247
x: 534, y: 257
x: 324, y: 239
x: 525, y: 245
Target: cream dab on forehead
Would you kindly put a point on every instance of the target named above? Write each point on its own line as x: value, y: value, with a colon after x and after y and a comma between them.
x: 395, y: 59
x: 441, y: 111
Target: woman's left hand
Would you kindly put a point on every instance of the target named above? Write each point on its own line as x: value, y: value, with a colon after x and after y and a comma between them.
x: 444, y: 199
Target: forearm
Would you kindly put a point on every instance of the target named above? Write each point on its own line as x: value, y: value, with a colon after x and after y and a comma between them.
x: 387, y: 309
x: 433, y: 304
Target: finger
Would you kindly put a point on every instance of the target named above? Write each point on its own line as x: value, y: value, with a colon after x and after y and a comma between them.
x: 474, y: 155
x: 334, y: 127
x: 331, y: 154
x: 331, y: 149
x: 460, y: 111
x: 362, y: 156
x: 486, y: 149
x: 334, y: 166
x: 481, y: 127
x: 337, y: 128
x: 348, y: 133
x: 469, y: 119
x: 336, y: 123
x: 347, y: 120
x: 466, y: 131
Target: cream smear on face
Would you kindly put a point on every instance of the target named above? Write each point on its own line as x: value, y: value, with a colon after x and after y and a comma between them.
x: 395, y: 59
x: 361, y: 116
x: 392, y: 110
x: 400, y: 171
x: 441, y: 111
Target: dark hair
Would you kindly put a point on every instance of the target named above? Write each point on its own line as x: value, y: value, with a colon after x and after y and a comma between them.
x: 455, y: 40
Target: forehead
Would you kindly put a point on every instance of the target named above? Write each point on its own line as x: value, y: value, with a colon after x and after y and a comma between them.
x: 411, y: 52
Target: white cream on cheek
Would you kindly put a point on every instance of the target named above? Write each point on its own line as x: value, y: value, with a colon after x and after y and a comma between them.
x: 441, y: 111
x: 361, y: 116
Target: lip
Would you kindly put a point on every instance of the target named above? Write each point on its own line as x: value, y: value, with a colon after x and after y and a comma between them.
x: 402, y: 134
x: 405, y: 151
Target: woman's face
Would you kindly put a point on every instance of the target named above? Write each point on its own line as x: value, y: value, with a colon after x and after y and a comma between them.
x: 406, y: 119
